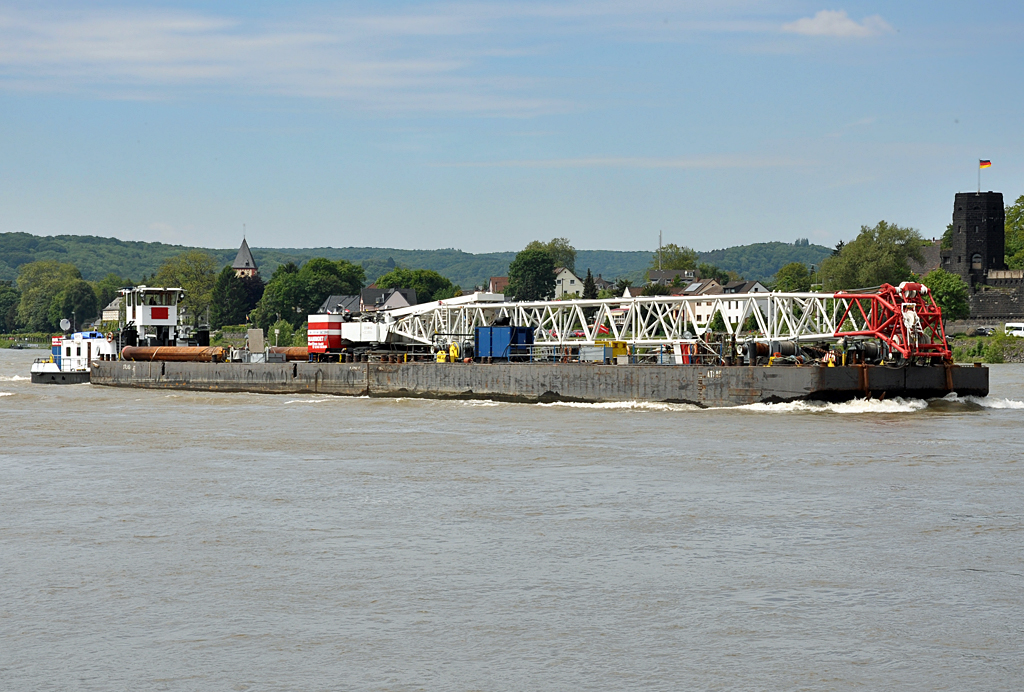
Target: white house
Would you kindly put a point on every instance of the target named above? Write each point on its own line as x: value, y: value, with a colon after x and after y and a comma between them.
x: 733, y: 308
x: 112, y: 313
x: 567, y: 283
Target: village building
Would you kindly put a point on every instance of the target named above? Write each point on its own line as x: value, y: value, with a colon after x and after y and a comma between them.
x: 371, y: 299
x: 566, y: 283
x: 339, y: 305
x: 244, y: 264
x: 497, y: 284
x: 112, y: 312
x: 670, y: 277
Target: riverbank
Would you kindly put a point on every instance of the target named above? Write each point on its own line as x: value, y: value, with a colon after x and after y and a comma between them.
x: 998, y: 348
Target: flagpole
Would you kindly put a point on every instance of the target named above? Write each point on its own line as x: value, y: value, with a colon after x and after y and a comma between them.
x: 979, y: 177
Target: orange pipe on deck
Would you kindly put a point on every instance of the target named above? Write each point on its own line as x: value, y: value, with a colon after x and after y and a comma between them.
x: 194, y: 354
x: 292, y: 352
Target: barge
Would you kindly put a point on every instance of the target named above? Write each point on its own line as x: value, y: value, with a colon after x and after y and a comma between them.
x: 887, y: 342
x: 705, y: 386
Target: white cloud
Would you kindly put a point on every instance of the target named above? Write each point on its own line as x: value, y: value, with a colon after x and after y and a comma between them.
x: 457, y: 57
x: 838, y: 23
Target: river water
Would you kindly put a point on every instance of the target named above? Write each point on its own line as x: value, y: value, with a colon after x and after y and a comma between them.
x: 157, y: 540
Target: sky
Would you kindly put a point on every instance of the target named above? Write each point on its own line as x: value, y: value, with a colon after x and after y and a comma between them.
x: 485, y: 125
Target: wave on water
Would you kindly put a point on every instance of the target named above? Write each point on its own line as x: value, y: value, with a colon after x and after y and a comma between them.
x: 894, y: 405
x: 307, y: 401
x: 13, y: 378
x: 626, y: 405
x: 984, y: 401
x: 6, y: 393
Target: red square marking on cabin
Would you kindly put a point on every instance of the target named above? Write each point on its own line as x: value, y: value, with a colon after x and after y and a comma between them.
x: 159, y: 313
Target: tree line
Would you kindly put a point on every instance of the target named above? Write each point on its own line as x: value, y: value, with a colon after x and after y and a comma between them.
x: 47, y: 291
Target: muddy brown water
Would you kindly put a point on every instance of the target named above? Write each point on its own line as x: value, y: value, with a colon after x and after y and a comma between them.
x: 161, y: 540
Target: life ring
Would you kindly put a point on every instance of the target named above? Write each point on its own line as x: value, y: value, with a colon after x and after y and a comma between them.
x: 110, y: 337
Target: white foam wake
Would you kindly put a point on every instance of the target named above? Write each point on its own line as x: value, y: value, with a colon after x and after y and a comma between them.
x: 6, y: 393
x: 894, y: 405
x: 13, y: 378
x: 987, y: 402
x: 627, y: 405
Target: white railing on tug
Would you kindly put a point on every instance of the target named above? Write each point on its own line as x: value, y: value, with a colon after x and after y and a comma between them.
x: 640, y: 321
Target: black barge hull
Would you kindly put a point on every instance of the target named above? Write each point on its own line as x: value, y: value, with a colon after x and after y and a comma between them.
x: 542, y: 382
x: 77, y: 377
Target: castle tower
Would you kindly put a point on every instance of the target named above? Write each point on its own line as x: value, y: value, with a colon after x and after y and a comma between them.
x: 245, y: 265
x: 978, y: 235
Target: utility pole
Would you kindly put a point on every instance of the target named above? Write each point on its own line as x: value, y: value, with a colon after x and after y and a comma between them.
x: 659, y: 250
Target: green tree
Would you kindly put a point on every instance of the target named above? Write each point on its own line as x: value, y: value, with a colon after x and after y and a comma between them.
x: 284, y: 338
x: 947, y: 238
x: 589, y: 287
x: 10, y: 296
x: 563, y: 254
x: 428, y: 284
x: 795, y: 277
x: 293, y: 293
x: 195, y: 272
x: 321, y: 277
x: 878, y: 255
x: 446, y: 293
x: 75, y: 302
x: 108, y: 288
x: 40, y: 282
x: 710, y: 271
x: 282, y: 298
x: 656, y: 290
x: 621, y: 284
x: 1014, y: 234
x: 717, y: 323
x: 229, y: 301
x: 950, y: 293
x: 531, y: 275
x: 674, y: 256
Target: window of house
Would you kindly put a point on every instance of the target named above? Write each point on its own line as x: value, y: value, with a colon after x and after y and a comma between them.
x: 572, y: 281
x: 976, y: 262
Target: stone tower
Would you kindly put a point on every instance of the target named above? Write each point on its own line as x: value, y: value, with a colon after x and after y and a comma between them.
x: 978, y: 235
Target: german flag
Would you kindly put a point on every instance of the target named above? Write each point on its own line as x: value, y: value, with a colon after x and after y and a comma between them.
x: 984, y: 163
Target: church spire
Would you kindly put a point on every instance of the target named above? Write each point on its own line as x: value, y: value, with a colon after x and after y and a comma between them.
x: 244, y: 264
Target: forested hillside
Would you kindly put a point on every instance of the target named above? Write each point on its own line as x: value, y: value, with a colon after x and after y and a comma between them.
x: 96, y: 257
x: 760, y: 261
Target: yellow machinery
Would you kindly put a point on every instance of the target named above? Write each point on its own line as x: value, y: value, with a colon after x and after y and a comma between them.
x: 619, y: 348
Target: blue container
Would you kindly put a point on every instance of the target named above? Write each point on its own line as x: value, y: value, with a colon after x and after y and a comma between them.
x: 503, y: 342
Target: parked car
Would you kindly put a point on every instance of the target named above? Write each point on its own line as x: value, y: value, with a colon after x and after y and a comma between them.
x: 1014, y: 329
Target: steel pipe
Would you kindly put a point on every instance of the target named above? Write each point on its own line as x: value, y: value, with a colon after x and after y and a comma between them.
x: 197, y: 354
x: 292, y: 352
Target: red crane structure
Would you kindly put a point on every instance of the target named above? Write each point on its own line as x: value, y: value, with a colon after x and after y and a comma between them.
x: 905, y: 317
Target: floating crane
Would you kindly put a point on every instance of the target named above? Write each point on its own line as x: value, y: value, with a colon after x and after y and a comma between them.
x: 904, y: 321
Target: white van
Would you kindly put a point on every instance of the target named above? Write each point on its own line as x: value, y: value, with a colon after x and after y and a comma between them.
x: 1014, y: 329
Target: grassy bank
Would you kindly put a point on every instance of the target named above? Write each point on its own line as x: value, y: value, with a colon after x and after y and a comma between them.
x: 987, y: 349
x: 40, y: 339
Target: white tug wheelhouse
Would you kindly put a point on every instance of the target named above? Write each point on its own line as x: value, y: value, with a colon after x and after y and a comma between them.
x: 149, y: 316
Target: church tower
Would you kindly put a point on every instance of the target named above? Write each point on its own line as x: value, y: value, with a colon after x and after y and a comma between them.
x: 245, y: 265
x: 978, y: 235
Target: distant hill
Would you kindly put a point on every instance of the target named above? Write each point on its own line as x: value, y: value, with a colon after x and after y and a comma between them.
x: 760, y: 261
x: 96, y: 257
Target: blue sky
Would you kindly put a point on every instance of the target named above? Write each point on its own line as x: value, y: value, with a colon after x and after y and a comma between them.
x: 484, y: 125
